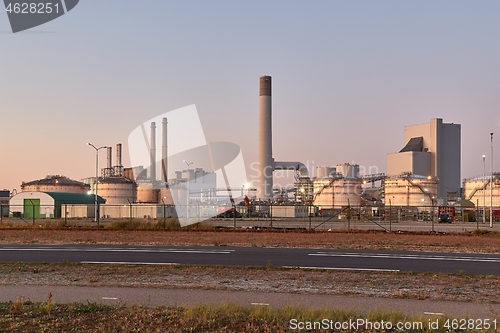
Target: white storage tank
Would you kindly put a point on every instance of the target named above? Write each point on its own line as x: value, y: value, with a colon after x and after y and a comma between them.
x: 117, y: 190
x: 147, y: 193
x: 348, y: 170
x: 55, y: 183
x: 473, y: 190
x: 410, y: 191
x: 337, y: 193
x: 325, y: 172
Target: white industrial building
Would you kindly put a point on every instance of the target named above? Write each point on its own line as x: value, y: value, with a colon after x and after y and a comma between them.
x: 431, y: 150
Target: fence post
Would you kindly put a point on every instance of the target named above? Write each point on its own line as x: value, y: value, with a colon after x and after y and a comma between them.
x: 390, y: 215
x: 271, y: 213
x: 310, y: 217
x: 348, y: 215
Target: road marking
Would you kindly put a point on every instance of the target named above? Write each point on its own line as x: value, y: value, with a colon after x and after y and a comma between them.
x: 346, y: 269
x: 434, y: 313
x: 110, y: 298
x: 72, y: 249
x: 262, y: 304
x: 407, y: 256
x: 127, y: 263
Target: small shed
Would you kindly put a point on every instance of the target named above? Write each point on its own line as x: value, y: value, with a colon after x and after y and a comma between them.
x: 49, y: 204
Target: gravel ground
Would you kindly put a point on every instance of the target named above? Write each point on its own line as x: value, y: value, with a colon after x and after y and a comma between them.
x: 370, y: 284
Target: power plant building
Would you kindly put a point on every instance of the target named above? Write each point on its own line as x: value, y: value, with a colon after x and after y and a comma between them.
x: 431, y: 150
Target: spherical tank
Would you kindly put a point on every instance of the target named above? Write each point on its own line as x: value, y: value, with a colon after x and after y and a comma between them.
x: 118, y: 190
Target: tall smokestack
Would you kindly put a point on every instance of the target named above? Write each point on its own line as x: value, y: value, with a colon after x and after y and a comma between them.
x: 110, y: 162
x: 119, y: 155
x: 164, y: 150
x: 265, y: 151
x: 152, y: 157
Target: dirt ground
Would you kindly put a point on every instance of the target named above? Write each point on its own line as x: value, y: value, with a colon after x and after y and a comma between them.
x: 485, y: 289
x: 458, y: 242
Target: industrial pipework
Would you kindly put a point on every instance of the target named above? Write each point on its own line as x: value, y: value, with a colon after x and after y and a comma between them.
x: 265, y: 145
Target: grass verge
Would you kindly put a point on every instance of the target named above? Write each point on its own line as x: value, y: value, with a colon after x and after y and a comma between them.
x: 25, y: 316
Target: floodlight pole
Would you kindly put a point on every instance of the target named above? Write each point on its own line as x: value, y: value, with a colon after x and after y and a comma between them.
x: 491, y: 181
x: 96, y: 212
x: 484, y: 189
x: 187, y: 187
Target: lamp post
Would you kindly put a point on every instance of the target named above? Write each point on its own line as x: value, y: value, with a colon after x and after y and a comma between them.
x: 188, y: 179
x: 491, y: 181
x: 484, y: 189
x: 96, y: 216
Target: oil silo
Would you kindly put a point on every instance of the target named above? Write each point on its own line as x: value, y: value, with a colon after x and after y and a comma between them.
x: 477, y: 190
x: 117, y: 190
x: 55, y: 183
x: 147, y: 192
x: 325, y: 172
x: 408, y: 190
x: 348, y: 170
x: 337, y: 192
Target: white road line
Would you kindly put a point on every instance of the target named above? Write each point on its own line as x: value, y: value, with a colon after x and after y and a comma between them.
x: 110, y: 298
x: 345, y: 269
x: 434, y: 313
x: 121, y: 250
x: 404, y: 256
x: 127, y: 263
x: 262, y: 304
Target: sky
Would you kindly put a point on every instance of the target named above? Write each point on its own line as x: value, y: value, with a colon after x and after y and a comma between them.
x: 347, y: 77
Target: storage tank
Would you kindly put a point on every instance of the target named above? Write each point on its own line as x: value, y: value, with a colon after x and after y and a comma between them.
x: 55, y: 183
x: 166, y: 195
x: 147, y: 193
x: 118, y: 190
x: 410, y: 191
x: 348, y: 170
x: 337, y: 193
x: 325, y: 172
x: 473, y: 190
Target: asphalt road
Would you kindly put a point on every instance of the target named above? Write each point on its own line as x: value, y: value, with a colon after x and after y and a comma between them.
x: 434, y: 262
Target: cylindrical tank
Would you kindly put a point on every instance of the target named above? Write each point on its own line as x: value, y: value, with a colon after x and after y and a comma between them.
x: 165, y: 196
x: 118, y: 190
x: 337, y: 193
x: 55, y: 183
x: 411, y: 191
x: 265, y: 141
x: 348, y: 170
x: 147, y: 193
x: 325, y: 172
x: 477, y: 190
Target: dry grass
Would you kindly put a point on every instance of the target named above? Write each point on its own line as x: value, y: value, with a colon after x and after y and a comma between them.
x: 464, y: 242
x: 94, y: 317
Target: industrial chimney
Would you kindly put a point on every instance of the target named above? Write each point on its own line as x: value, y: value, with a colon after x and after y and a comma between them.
x: 110, y: 162
x: 119, y: 155
x: 152, y: 157
x: 265, y: 141
x: 164, y: 150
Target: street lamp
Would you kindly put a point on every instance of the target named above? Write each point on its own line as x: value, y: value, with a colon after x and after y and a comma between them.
x: 96, y: 216
x: 484, y: 189
x: 491, y: 181
x: 188, y: 179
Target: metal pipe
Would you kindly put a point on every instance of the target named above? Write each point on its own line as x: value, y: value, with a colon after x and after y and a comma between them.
x: 152, y: 157
x: 297, y: 166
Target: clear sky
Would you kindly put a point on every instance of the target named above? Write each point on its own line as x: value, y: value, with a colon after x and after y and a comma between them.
x: 347, y: 77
